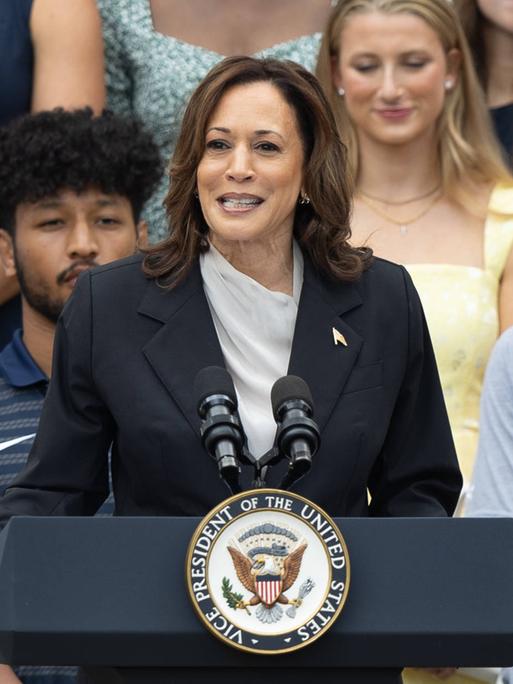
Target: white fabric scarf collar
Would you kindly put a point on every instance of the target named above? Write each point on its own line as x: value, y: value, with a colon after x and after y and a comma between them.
x: 255, y: 327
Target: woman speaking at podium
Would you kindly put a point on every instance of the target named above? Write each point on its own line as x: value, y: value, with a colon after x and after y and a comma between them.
x: 257, y: 275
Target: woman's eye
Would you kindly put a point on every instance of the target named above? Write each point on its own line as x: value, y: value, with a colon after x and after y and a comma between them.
x: 217, y: 145
x: 415, y: 64
x: 365, y: 68
x: 267, y: 147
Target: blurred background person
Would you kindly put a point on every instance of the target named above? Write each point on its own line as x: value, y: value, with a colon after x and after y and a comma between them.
x: 492, y: 482
x: 158, y: 51
x: 71, y: 193
x: 488, y: 25
x: 51, y: 55
x: 432, y: 191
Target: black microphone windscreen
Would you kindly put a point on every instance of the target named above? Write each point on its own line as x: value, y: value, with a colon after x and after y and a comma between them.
x: 289, y: 387
x: 213, y: 380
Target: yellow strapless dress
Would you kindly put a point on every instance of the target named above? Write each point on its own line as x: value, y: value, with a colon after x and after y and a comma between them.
x: 461, y: 307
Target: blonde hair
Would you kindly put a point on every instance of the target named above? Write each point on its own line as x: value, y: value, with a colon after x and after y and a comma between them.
x: 467, y: 148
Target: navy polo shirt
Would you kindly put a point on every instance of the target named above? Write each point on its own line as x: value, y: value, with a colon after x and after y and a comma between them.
x: 23, y: 387
x: 17, y: 365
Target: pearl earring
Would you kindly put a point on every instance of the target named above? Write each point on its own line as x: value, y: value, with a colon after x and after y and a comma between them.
x: 341, y: 92
x: 448, y: 84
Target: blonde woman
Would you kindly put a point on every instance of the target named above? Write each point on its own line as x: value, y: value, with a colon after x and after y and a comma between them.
x: 432, y: 191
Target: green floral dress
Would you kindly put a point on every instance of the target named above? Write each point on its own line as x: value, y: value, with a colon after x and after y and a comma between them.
x: 151, y: 76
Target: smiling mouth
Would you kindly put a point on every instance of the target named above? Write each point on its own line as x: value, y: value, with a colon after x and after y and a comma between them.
x: 236, y: 203
x: 398, y: 113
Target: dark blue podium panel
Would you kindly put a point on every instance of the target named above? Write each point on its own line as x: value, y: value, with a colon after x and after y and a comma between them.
x: 111, y: 592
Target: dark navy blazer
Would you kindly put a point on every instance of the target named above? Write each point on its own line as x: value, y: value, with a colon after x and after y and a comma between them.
x: 126, y: 355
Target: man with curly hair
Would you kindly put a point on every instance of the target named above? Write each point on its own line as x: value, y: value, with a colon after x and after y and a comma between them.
x: 72, y: 187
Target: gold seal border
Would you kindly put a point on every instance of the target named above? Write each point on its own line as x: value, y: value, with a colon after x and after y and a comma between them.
x: 244, y: 495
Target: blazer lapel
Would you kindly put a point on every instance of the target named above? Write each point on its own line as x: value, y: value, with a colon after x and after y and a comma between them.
x: 187, y: 340
x: 186, y: 343
x: 324, y: 365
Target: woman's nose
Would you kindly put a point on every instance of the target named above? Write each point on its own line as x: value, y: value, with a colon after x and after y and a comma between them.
x: 240, y: 165
x: 391, y: 88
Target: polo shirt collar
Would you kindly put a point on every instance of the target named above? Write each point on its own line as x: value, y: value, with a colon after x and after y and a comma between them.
x: 17, y: 365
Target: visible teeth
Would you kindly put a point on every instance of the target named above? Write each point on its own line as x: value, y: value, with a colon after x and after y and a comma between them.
x: 241, y: 201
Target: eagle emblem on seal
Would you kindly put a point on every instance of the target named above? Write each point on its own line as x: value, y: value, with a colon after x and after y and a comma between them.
x: 267, y: 559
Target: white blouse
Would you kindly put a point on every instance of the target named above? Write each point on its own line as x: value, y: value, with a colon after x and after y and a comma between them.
x: 255, y: 328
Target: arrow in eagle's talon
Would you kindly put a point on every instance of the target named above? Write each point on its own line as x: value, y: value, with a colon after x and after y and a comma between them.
x: 244, y: 606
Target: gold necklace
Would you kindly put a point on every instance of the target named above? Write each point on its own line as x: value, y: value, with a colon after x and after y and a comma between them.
x: 403, y: 225
x: 402, y: 202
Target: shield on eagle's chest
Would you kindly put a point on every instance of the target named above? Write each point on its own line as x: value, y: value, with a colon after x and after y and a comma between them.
x: 268, y: 588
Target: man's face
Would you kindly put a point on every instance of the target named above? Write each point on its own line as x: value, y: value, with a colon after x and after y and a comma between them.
x: 58, y: 237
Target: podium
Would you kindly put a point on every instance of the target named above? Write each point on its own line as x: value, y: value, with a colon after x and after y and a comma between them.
x: 110, y: 593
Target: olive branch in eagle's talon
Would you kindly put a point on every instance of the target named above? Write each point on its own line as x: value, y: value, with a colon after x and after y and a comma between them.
x: 233, y: 599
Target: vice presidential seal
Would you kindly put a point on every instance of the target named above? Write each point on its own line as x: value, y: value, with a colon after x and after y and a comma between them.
x: 267, y: 571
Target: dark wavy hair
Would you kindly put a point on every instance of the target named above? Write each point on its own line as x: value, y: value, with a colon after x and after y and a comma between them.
x: 42, y: 154
x: 321, y: 227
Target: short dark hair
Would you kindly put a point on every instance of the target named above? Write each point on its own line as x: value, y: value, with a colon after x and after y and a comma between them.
x: 44, y: 153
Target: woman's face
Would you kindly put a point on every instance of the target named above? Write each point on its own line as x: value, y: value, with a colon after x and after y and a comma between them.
x: 395, y: 74
x: 251, y: 172
x: 498, y: 12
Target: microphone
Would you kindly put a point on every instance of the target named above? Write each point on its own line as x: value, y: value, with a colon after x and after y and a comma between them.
x: 221, y: 432
x: 297, y: 436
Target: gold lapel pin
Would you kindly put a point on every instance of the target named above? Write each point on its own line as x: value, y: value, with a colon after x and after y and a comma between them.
x: 338, y: 338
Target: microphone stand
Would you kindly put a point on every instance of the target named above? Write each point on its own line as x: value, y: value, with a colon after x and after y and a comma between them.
x: 262, y: 465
